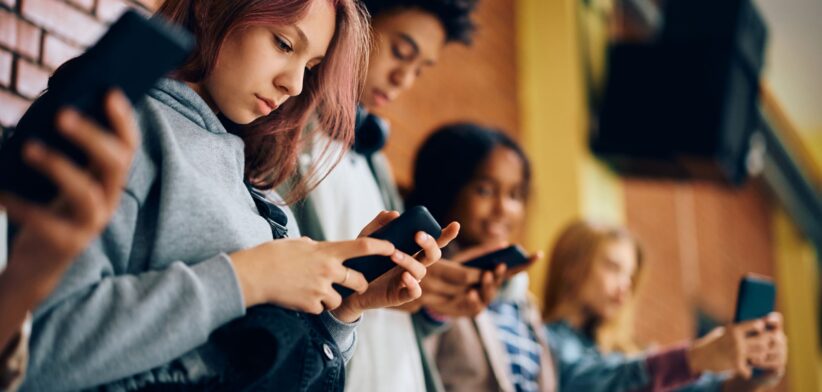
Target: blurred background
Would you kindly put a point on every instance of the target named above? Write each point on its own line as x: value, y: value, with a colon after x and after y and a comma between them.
x: 537, y: 70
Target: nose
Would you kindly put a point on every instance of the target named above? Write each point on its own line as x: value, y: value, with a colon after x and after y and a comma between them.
x: 290, y: 81
x: 624, y: 287
x: 506, y: 204
x: 403, y: 76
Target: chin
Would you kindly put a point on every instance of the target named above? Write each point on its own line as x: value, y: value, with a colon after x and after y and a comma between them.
x: 242, y: 118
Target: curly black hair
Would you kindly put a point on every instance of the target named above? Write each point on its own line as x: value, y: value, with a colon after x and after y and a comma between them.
x: 455, y: 15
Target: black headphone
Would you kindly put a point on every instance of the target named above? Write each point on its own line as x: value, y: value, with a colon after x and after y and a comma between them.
x: 370, y: 132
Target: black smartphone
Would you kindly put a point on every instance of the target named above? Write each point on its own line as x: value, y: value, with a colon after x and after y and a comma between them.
x: 755, y: 299
x: 512, y: 256
x: 399, y: 232
x: 132, y: 56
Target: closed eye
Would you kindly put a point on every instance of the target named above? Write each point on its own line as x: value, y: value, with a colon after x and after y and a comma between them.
x: 283, y: 45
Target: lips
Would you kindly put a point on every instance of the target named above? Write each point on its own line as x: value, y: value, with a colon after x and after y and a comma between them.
x: 266, y: 104
x: 496, y: 229
x: 380, y: 97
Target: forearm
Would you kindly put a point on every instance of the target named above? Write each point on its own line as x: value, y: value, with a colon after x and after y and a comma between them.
x: 155, y: 316
x: 19, y: 294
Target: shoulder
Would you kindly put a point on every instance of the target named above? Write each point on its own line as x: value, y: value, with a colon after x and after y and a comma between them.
x: 150, y: 119
x: 564, y: 341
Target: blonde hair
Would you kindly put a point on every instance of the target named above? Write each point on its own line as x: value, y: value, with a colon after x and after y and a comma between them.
x: 570, y: 264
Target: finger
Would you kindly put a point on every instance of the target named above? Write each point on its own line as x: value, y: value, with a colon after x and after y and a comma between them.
x: 456, y: 274
x: 412, y: 288
x: 316, y: 307
x: 79, y: 190
x: 363, y: 246
x: 431, y: 253
x: 439, y: 286
x: 743, y: 369
x: 488, y: 288
x: 773, y: 321
x: 477, y: 251
x: 104, y: 150
x: 751, y: 327
x: 121, y: 118
x: 449, y: 233
x: 378, y: 222
x: 434, y: 299
x: 459, y: 306
x: 416, y: 269
x: 21, y: 211
x: 107, y: 155
x: 331, y: 300
x: 500, y: 274
x: 472, y: 305
x: 40, y: 220
x: 771, y: 361
x: 531, y: 260
x: 352, y: 279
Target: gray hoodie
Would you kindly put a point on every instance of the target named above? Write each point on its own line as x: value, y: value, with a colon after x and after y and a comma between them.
x: 158, y: 281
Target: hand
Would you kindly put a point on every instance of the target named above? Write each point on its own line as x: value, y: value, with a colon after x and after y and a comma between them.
x: 774, y: 359
x: 400, y: 285
x: 729, y: 348
x: 454, y: 290
x: 298, y: 273
x: 52, y: 236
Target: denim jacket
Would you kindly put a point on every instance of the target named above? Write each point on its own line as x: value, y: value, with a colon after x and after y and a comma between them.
x: 581, y: 366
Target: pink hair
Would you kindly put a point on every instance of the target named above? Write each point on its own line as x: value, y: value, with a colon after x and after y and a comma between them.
x: 330, y: 91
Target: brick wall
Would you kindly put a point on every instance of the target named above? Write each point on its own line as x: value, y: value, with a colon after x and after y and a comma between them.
x: 36, y: 36
x: 477, y: 83
x: 699, y: 240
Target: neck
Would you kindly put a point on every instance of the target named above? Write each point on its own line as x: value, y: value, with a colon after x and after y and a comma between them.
x: 203, y: 93
x: 575, y: 315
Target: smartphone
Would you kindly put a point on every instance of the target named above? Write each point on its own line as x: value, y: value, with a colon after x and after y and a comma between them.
x: 132, y: 56
x: 755, y: 299
x: 513, y: 256
x: 400, y: 232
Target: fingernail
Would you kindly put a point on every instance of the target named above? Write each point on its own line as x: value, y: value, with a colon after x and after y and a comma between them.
x: 398, y: 256
x: 69, y: 117
x: 35, y: 150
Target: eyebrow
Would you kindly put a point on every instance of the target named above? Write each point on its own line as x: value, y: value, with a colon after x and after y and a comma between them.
x: 410, y: 41
x: 302, y: 37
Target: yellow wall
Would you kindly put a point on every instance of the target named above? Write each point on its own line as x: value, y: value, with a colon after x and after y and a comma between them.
x: 568, y: 182
x: 798, y: 288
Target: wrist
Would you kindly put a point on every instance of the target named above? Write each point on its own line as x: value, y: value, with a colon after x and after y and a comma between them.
x: 348, y: 312
x: 251, y: 295
x: 29, y: 286
x: 695, y: 359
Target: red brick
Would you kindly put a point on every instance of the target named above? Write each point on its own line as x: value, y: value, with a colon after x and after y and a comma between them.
x: 5, y: 68
x: 57, y: 51
x: 19, y: 35
x: 28, y: 40
x: 64, y: 20
x: 109, y: 10
x: 8, y: 29
x: 12, y: 108
x: 31, y: 79
x: 87, y: 5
